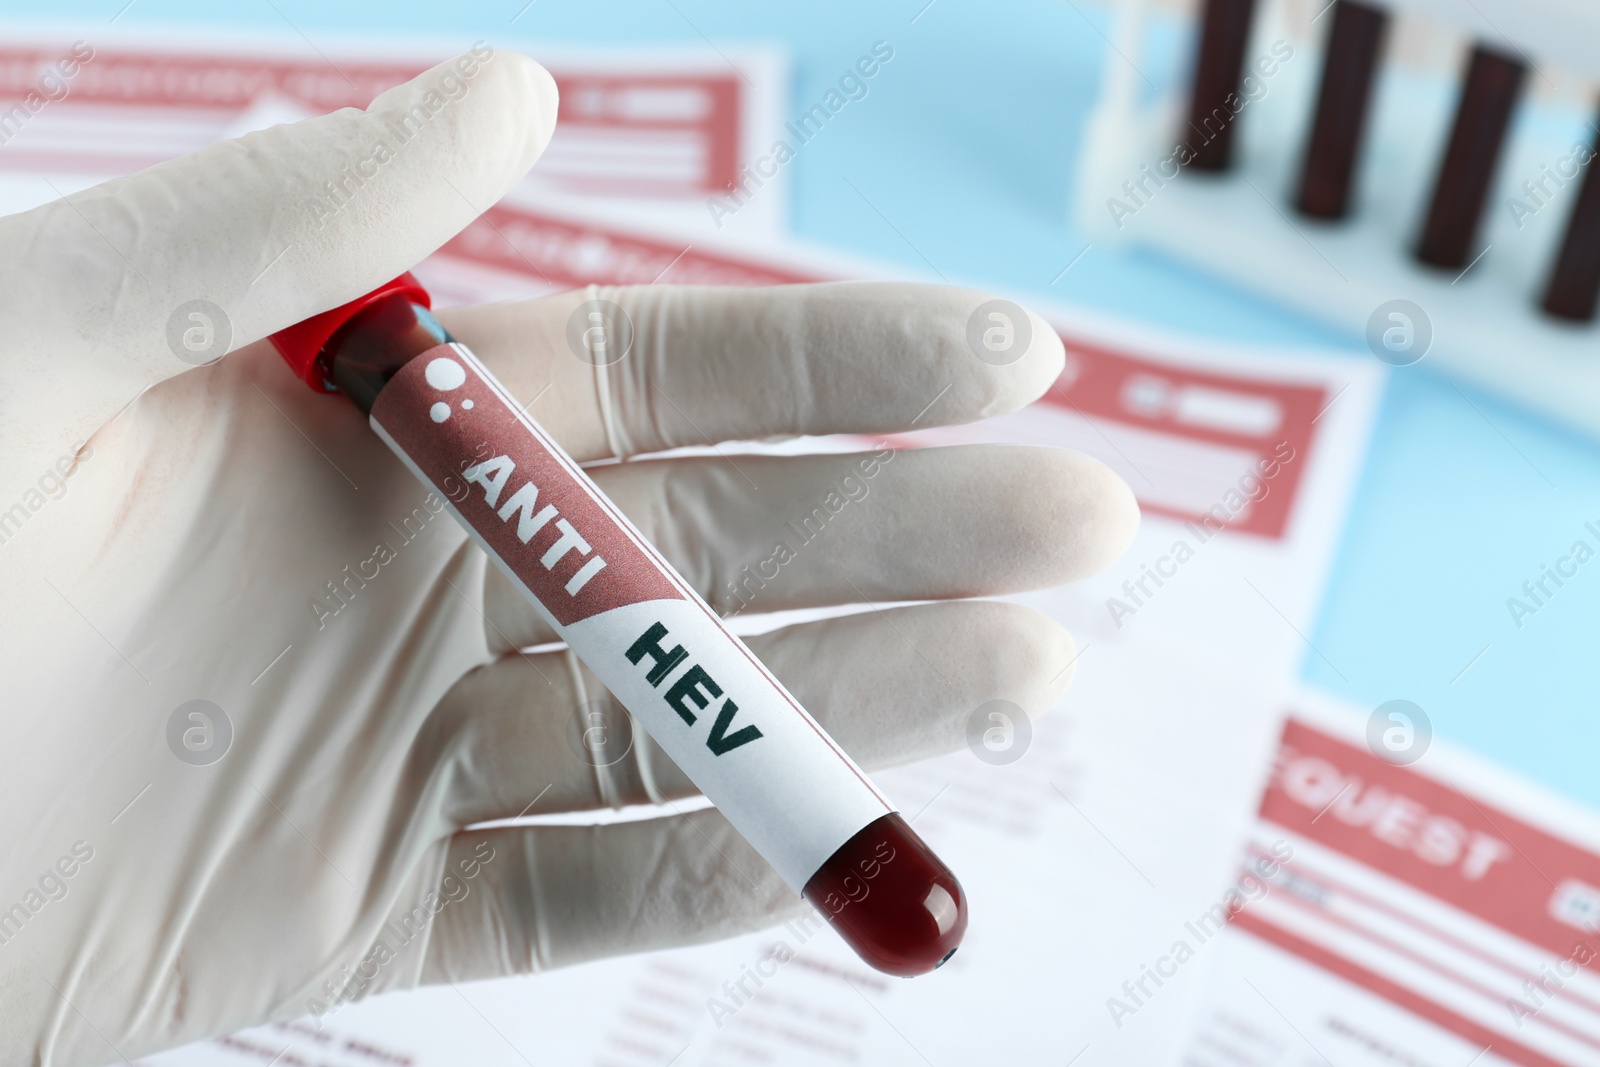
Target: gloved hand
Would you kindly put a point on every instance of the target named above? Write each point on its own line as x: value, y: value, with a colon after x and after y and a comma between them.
x: 176, y: 533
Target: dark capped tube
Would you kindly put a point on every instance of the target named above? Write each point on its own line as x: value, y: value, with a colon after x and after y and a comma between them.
x: 704, y: 698
x: 1483, y: 115
x: 1347, y: 75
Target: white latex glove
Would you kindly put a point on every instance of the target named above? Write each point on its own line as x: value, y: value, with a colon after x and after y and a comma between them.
x: 163, y: 899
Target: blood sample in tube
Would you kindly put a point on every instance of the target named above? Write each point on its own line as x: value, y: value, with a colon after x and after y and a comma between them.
x: 1347, y: 74
x: 1574, y: 285
x: 1482, y: 117
x: 704, y: 698
x: 1218, y: 67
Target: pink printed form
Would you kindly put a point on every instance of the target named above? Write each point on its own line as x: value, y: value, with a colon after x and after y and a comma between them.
x: 510, y: 487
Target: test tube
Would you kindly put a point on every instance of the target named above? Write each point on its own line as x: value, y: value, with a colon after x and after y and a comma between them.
x: 1484, y: 112
x: 690, y: 682
x: 1218, y: 66
x: 1347, y: 72
x: 1574, y: 284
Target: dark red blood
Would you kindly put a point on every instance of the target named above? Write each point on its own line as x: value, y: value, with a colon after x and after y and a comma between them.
x: 891, y: 899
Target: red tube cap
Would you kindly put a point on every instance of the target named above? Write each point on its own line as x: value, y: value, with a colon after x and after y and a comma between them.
x: 301, y: 345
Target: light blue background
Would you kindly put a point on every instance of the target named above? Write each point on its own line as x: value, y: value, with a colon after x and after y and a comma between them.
x: 966, y: 144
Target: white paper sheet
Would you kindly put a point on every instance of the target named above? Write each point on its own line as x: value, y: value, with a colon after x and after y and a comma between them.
x: 1442, y: 912
x: 653, y: 132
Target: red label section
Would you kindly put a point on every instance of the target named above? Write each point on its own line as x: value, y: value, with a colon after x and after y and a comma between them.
x: 514, y: 489
x: 1483, y: 860
x: 1254, y: 414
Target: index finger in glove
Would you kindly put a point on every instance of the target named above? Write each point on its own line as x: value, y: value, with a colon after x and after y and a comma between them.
x: 113, y: 289
x: 615, y: 371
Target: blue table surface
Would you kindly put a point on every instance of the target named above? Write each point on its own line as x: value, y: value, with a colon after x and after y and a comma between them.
x: 966, y: 144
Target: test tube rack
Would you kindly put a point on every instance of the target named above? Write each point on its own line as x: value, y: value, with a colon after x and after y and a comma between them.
x: 1446, y: 210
